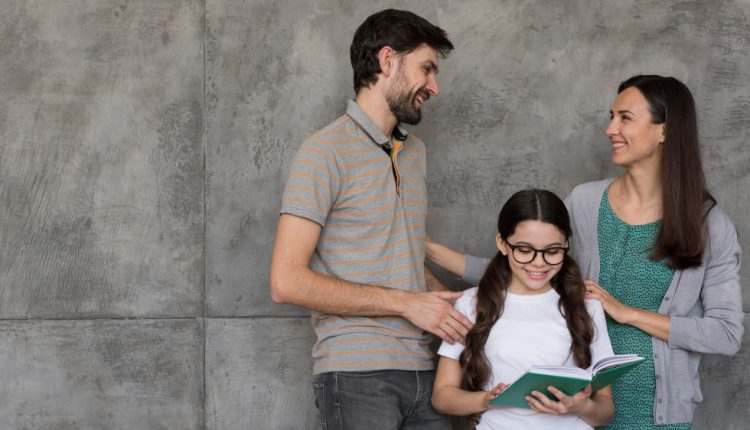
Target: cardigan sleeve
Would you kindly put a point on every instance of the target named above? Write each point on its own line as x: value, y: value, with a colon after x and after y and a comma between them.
x: 720, y: 327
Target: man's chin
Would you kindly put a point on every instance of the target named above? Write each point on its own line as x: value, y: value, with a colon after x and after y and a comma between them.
x: 413, y: 118
x: 411, y: 121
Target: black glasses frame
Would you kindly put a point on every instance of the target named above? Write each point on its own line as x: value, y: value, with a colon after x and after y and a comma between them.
x: 542, y: 251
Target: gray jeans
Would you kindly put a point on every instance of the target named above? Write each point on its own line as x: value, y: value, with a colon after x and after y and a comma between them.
x: 381, y: 399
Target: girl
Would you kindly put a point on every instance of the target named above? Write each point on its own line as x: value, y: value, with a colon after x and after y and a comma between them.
x: 529, y: 309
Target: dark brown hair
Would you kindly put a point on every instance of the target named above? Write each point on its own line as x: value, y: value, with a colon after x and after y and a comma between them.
x: 403, y: 31
x: 538, y: 205
x: 685, y: 197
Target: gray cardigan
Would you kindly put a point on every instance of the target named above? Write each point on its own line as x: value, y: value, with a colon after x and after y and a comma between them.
x: 704, y: 302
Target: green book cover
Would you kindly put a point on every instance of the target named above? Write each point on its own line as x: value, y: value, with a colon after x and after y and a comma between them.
x: 569, y: 380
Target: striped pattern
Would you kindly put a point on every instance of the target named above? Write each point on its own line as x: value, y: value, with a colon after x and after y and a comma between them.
x: 372, y: 233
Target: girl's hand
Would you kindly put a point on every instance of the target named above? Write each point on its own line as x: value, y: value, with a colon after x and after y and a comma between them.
x: 616, y: 310
x: 566, y: 405
x: 490, y: 395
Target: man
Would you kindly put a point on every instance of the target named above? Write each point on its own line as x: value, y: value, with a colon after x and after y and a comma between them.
x: 350, y: 241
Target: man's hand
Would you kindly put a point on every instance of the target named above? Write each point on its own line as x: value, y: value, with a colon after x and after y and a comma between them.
x: 434, y: 312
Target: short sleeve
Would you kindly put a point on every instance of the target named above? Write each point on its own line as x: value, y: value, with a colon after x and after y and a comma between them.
x: 465, y: 305
x: 313, y: 182
x: 600, y: 346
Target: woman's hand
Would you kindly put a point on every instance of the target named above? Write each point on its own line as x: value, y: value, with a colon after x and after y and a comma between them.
x: 653, y: 323
x: 490, y: 395
x: 566, y: 405
x: 616, y: 310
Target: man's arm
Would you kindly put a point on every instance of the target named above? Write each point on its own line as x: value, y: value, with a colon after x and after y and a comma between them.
x: 293, y: 282
x: 432, y: 282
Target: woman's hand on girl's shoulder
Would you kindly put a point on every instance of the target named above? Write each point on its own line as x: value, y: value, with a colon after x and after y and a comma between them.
x: 616, y: 310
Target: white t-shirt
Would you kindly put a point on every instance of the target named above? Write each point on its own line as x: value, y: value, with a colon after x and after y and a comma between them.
x: 531, y: 331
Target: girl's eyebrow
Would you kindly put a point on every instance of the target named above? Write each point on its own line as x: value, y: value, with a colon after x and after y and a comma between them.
x: 551, y: 245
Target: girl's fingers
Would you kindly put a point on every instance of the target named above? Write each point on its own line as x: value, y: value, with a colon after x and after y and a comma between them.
x: 537, y: 406
x: 559, y: 394
x: 500, y: 387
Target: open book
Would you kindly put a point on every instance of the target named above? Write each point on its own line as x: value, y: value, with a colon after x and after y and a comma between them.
x: 569, y: 380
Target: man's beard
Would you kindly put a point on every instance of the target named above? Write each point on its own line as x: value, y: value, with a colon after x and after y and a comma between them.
x: 402, y: 102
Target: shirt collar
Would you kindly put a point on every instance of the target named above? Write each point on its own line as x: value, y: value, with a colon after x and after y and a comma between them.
x: 372, y: 130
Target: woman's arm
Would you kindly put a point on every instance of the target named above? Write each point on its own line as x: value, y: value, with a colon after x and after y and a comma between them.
x: 449, y: 398
x: 719, y: 330
x: 468, y: 267
x: 653, y: 323
x: 447, y: 258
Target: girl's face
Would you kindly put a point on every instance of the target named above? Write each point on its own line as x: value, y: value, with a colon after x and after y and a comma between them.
x: 634, y: 138
x: 533, y: 276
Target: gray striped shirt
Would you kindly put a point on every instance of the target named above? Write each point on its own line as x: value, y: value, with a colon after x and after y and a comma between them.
x: 372, y: 212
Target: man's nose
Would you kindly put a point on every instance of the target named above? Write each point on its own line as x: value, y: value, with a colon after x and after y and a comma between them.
x: 432, y: 85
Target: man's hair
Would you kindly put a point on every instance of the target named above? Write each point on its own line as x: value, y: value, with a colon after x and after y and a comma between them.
x: 401, y: 30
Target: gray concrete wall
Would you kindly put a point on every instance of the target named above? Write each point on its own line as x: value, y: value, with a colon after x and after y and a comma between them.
x: 143, y: 153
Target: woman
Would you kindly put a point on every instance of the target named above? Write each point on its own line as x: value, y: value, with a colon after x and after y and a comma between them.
x: 529, y: 309
x: 659, y: 254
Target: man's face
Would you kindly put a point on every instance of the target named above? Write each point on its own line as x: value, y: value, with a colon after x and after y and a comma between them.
x: 414, y: 83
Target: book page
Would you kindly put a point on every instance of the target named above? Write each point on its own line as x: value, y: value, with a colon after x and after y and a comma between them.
x: 614, y: 361
x: 571, y: 372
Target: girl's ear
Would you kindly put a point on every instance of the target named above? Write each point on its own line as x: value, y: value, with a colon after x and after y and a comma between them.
x: 501, y: 245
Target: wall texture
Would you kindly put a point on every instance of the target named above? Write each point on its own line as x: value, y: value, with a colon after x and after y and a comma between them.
x: 143, y: 151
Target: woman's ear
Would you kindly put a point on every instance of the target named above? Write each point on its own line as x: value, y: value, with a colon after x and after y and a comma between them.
x: 663, y: 132
x: 501, y: 245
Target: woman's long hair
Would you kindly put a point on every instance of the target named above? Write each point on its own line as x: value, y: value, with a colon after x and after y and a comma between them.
x: 537, y: 205
x: 685, y: 197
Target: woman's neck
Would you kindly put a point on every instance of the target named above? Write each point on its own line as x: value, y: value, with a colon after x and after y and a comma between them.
x: 636, y: 197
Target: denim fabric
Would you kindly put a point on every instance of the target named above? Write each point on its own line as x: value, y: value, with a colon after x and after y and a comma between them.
x: 377, y: 400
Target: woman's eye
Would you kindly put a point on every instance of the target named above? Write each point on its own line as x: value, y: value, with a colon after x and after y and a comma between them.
x: 525, y: 250
x: 553, y: 251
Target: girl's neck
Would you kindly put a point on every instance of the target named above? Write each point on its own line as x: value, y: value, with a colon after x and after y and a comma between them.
x: 521, y: 290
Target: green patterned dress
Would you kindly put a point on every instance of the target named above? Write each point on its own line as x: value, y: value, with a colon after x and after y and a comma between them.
x: 632, y: 278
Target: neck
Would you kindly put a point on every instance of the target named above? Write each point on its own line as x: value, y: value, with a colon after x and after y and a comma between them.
x: 374, y: 104
x: 521, y: 290
x: 642, y: 184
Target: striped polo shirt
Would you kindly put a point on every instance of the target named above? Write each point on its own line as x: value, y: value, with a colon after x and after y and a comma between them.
x: 372, y: 207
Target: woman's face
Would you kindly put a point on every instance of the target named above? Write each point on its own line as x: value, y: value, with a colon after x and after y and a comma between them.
x: 533, y: 277
x: 635, y: 140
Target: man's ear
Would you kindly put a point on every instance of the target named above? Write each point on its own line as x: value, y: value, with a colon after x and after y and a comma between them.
x: 388, y: 60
